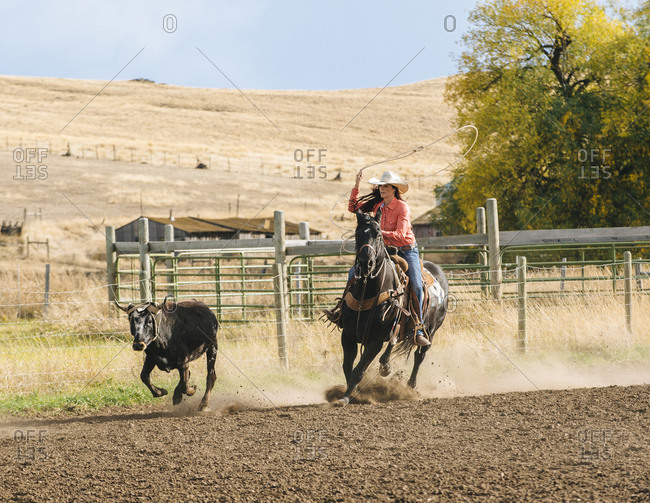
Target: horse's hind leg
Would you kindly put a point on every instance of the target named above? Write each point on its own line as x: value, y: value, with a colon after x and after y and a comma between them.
x: 211, y: 355
x: 417, y: 361
x: 384, y: 361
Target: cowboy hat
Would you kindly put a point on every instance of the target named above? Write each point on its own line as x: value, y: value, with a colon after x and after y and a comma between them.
x: 391, y: 178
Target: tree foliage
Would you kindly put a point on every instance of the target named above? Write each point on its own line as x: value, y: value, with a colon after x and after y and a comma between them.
x: 559, y: 90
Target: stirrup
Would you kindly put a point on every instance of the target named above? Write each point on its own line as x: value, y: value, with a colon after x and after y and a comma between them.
x: 421, y: 339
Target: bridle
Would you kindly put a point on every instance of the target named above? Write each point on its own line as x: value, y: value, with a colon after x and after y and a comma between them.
x: 377, y: 269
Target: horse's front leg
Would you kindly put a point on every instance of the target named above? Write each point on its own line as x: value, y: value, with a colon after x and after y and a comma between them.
x: 369, y: 353
x: 384, y: 361
x: 350, y: 349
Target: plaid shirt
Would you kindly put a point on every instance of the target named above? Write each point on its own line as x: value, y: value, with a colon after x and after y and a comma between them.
x: 395, y: 220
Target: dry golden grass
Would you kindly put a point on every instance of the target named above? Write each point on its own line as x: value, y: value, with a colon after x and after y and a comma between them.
x: 252, y: 163
x: 86, y: 340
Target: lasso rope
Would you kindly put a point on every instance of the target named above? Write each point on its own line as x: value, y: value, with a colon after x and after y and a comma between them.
x: 403, y: 155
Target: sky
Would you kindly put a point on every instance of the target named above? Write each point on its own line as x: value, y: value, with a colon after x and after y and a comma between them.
x: 251, y: 44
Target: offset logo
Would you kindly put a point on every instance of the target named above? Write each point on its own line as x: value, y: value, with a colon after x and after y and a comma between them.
x: 30, y: 445
x: 309, y: 163
x: 310, y: 445
x: 170, y: 23
x: 594, y: 444
x: 596, y: 166
x: 30, y: 163
x: 450, y: 23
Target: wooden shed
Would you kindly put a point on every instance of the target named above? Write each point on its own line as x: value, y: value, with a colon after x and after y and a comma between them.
x: 423, y: 228
x: 191, y: 228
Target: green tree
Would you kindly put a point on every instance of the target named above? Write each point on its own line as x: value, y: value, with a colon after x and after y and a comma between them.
x: 558, y: 90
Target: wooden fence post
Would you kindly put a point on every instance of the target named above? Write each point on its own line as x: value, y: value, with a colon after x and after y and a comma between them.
x: 279, y: 274
x: 111, y: 269
x: 145, y: 264
x: 494, y: 248
x: 522, y: 294
x: 20, y: 310
x: 46, y: 300
x: 627, y: 267
x: 303, y: 232
x: 482, y: 255
x: 172, y: 285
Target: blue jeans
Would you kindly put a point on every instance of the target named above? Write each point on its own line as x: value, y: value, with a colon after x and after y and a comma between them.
x: 414, y: 273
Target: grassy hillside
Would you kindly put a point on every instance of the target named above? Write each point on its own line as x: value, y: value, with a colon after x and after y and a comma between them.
x: 158, y: 133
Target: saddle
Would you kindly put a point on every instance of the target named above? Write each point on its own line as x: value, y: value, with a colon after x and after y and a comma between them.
x: 407, y: 317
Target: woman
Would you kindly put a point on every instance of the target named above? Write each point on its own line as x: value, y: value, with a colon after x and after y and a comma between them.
x: 395, y: 227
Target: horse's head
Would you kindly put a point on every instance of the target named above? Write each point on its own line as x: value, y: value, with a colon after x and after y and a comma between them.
x: 369, y: 243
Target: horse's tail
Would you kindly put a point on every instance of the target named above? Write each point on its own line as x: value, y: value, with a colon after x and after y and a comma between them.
x: 404, y: 347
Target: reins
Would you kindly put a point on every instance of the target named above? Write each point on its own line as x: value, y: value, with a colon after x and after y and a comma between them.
x: 363, y: 291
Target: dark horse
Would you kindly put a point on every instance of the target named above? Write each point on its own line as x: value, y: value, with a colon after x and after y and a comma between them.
x: 375, y: 273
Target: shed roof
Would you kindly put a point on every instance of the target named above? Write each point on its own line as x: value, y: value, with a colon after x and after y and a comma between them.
x: 190, y: 225
x: 423, y: 219
x: 261, y: 224
x: 195, y: 225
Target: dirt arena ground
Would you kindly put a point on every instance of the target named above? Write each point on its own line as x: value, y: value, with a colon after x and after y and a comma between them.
x: 574, y: 445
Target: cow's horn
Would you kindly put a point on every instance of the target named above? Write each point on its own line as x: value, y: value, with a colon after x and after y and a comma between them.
x: 125, y: 309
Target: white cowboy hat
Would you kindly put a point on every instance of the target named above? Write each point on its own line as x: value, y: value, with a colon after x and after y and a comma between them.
x: 391, y: 178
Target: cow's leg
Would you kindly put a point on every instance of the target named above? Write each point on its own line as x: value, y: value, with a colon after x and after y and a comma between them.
x: 384, y: 361
x: 145, y: 376
x: 350, y: 349
x: 417, y: 361
x: 211, y: 355
x: 369, y: 353
x: 189, y: 390
x: 182, y: 387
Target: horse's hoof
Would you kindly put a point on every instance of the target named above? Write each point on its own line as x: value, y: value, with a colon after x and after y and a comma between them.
x: 205, y: 409
x: 190, y: 391
x: 342, y: 402
x: 385, y: 370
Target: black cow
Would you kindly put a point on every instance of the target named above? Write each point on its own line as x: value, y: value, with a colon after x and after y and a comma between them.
x: 172, y: 335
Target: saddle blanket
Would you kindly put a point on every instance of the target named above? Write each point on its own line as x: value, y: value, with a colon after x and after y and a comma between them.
x: 436, y: 292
